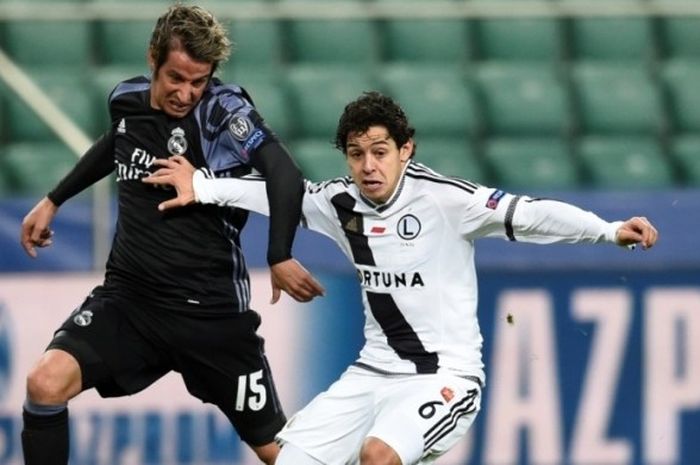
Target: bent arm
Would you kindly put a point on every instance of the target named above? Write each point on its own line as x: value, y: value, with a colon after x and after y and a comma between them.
x: 285, y: 189
x: 94, y: 165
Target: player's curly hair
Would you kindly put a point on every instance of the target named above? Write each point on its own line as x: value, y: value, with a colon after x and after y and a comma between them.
x: 192, y: 29
x: 373, y: 109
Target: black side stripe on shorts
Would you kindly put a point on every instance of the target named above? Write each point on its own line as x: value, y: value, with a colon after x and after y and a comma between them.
x: 399, y: 334
x: 509, y: 218
x: 353, y: 227
x: 447, y: 423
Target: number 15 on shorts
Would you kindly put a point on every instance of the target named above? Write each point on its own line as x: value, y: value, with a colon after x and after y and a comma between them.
x: 251, y: 392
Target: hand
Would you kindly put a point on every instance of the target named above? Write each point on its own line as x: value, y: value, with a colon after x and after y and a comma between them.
x: 637, y: 230
x: 35, y: 230
x: 289, y: 276
x: 176, y: 171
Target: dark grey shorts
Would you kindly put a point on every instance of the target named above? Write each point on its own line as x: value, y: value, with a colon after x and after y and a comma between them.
x: 124, y: 344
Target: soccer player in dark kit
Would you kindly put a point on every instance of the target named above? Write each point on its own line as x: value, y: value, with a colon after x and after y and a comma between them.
x: 176, y: 291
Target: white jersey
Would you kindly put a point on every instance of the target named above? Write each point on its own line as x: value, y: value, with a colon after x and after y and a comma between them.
x: 414, y: 256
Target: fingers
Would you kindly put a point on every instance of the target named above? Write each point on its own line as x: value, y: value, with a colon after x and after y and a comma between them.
x: 276, y: 293
x: 35, y: 230
x: 305, y: 290
x: 162, y: 172
x: 638, y: 230
x: 36, y: 238
x: 296, y: 281
x: 646, y: 232
x: 650, y: 234
x: 29, y: 248
x: 171, y: 162
x: 161, y: 176
x: 168, y: 204
x: 313, y: 287
x: 26, y: 242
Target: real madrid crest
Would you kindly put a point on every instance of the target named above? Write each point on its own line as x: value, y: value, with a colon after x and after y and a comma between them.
x: 83, y: 318
x: 177, y: 144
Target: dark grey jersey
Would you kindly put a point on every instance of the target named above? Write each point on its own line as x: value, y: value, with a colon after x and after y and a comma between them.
x: 188, y: 258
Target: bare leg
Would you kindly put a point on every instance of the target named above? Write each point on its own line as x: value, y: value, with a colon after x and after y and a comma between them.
x: 53, y: 381
x: 268, y: 452
x: 377, y: 452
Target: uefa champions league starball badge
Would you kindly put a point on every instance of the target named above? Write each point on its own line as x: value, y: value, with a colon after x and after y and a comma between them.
x: 177, y: 144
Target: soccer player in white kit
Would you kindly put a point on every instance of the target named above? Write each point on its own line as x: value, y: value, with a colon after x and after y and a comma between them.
x: 416, y: 387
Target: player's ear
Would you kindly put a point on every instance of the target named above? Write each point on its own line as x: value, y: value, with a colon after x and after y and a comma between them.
x: 151, y: 60
x: 406, y: 150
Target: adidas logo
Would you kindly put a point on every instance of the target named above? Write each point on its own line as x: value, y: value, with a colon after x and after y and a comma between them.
x: 121, y: 128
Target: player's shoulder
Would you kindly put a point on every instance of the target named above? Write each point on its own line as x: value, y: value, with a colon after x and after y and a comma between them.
x: 131, y: 89
x: 229, y: 96
x: 130, y: 96
x: 424, y: 177
x: 329, y: 187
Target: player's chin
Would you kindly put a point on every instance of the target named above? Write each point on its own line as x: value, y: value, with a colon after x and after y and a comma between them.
x: 178, y: 111
x: 373, y: 192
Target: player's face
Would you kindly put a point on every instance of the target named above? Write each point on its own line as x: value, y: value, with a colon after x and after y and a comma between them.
x: 179, y: 84
x: 376, y: 163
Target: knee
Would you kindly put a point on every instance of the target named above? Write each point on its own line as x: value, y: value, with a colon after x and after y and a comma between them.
x: 267, y: 453
x: 53, y: 383
x: 376, y: 452
x: 44, y: 387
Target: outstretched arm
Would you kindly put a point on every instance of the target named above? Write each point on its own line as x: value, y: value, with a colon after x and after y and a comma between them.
x: 546, y: 221
x: 251, y: 194
x: 199, y: 186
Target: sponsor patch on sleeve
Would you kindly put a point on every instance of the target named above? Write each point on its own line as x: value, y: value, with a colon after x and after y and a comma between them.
x: 494, y: 199
x: 244, y: 131
x: 254, y: 141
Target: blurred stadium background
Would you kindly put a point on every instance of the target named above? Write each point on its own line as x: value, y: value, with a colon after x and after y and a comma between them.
x: 595, y: 102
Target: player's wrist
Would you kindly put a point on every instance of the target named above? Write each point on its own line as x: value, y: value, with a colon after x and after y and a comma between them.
x: 613, y: 232
x: 199, y: 190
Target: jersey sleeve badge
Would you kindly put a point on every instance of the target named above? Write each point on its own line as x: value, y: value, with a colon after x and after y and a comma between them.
x: 494, y: 199
x: 240, y: 127
x: 243, y: 130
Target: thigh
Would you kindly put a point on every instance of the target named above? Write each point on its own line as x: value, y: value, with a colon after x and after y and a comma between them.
x: 332, y: 426
x: 222, y: 361
x: 422, y: 417
x: 112, y: 354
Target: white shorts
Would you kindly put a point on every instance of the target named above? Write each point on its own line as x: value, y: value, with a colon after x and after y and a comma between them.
x: 420, y: 416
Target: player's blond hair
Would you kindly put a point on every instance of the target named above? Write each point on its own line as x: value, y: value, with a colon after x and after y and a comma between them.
x: 192, y: 29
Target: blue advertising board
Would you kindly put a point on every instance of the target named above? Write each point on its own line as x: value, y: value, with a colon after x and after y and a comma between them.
x: 582, y: 367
